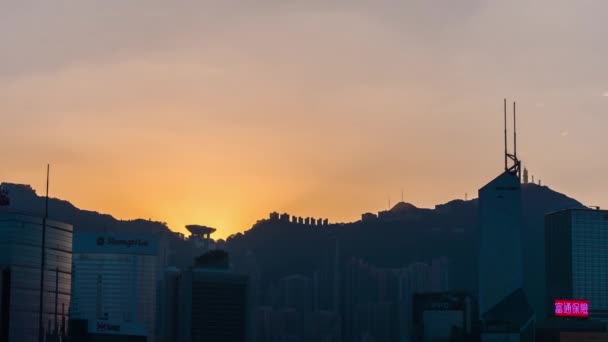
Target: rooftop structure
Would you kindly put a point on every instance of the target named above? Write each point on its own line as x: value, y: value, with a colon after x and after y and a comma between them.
x: 201, y: 231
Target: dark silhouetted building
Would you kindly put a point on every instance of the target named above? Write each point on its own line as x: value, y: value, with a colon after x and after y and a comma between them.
x: 511, y: 319
x: 501, y: 266
x: 168, y: 305
x: 213, y: 303
x: 504, y: 308
x: 571, y: 330
x: 369, y: 218
x: 444, y: 317
x: 284, y: 217
x: 274, y: 216
x: 5, y: 200
x: 377, y: 302
x: 20, y: 261
x: 200, y: 236
x: 576, y: 247
x: 296, y: 293
x: 500, y: 262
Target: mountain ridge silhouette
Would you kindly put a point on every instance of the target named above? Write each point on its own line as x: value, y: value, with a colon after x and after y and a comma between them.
x: 395, y: 238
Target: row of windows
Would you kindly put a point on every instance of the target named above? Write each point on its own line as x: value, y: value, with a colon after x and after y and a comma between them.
x: 32, y: 234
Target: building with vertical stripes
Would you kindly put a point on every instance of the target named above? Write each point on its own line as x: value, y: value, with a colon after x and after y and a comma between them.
x: 114, y: 283
x: 20, y: 270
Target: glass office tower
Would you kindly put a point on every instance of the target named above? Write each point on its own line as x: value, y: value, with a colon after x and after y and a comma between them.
x: 20, y: 261
x: 577, y: 258
x: 115, y: 278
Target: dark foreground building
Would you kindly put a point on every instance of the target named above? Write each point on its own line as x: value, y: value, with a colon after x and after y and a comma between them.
x: 212, y: 303
x: 100, y: 331
x: 571, y: 330
x: 504, y: 308
x: 20, y: 261
x: 213, y: 306
x: 444, y: 317
x: 577, y: 259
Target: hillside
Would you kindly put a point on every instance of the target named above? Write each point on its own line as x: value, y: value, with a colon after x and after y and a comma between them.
x: 398, y: 237
x: 23, y: 198
x: 392, y: 239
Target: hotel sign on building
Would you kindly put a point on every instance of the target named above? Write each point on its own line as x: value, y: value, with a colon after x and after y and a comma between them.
x: 110, y: 328
x: 115, y: 244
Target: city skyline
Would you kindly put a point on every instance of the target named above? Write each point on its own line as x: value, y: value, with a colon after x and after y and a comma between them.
x: 219, y: 114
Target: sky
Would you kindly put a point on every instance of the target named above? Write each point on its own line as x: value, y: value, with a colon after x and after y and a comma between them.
x: 218, y: 112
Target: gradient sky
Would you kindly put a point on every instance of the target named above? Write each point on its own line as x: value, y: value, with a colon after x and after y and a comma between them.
x: 218, y: 112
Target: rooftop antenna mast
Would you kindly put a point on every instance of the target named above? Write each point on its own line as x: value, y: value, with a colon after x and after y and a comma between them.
x: 41, y: 331
x: 514, y: 133
x: 514, y: 169
x: 506, y: 152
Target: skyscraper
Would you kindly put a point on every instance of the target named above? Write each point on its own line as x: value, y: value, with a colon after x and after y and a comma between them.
x: 115, y: 279
x: 503, y: 306
x: 214, y: 306
x: 576, y: 243
x: 500, y: 256
x: 168, y: 308
x: 20, y: 247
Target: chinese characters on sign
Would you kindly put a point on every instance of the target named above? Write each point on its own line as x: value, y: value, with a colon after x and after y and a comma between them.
x: 571, y: 308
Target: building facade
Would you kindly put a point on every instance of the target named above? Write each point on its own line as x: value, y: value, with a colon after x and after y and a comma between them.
x: 500, y: 256
x: 214, y: 305
x: 576, y: 247
x: 443, y: 316
x: 168, y: 305
x: 504, y: 309
x: 114, y: 283
x: 20, y: 262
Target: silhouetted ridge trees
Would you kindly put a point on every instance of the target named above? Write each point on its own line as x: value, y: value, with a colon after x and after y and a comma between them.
x: 402, y: 235
x: 395, y: 238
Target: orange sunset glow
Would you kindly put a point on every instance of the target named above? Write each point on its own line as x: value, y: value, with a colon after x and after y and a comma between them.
x: 218, y: 113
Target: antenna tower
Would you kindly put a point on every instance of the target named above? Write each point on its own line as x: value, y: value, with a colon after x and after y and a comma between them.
x: 515, y: 167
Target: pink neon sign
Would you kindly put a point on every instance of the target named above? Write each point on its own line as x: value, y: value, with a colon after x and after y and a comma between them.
x: 571, y: 308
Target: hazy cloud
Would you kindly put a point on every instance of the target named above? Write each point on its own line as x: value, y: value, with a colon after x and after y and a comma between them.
x: 321, y: 98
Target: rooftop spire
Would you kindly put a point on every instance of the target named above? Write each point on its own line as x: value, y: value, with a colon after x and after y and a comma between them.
x: 514, y: 169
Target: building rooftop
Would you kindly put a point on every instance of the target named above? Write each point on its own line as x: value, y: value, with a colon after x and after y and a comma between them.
x: 200, y: 230
x: 588, y: 209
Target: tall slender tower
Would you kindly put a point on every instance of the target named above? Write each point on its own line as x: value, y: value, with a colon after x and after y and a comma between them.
x: 501, y: 250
